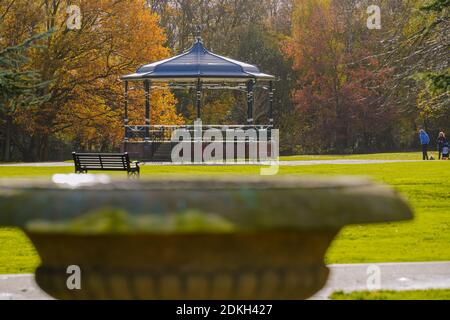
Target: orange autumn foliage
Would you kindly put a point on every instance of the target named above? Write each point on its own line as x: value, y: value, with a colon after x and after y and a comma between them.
x: 86, y: 96
x: 340, y: 91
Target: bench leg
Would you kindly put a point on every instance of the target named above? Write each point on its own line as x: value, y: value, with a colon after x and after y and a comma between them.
x: 133, y: 175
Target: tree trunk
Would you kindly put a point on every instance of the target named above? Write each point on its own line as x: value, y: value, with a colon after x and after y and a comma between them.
x: 43, y: 148
x: 29, y: 154
x: 7, y: 153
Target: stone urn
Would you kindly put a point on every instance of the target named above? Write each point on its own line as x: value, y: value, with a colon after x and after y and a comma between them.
x: 248, y: 238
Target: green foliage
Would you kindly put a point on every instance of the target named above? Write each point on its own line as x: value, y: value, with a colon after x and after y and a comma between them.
x: 19, y: 85
x: 436, y: 6
x: 422, y: 55
x: 437, y: 82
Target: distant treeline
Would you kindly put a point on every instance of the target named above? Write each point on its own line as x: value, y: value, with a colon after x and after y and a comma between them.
x: 350, y: 80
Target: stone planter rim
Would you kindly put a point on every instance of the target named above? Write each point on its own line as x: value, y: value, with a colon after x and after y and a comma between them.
x: 252, y: 203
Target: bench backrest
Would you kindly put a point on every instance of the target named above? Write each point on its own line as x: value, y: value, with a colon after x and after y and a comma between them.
x: 101, y: 161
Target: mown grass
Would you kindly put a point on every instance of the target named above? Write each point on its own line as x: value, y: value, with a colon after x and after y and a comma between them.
x: 17, y: 254
x: 424, y: 184
x: 435, y: 294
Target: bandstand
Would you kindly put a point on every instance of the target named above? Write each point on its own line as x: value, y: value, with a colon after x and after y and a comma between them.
x: 197, y: 69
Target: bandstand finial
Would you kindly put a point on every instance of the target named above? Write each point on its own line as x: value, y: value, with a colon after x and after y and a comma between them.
x: 198, y: 31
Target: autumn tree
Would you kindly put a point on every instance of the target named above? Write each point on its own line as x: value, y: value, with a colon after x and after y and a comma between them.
x: 339, y: 96
x: 85, y: 96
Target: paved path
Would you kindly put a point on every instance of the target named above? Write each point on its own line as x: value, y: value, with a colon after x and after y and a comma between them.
x: 320, y: 162
x: 282, y: 163
x: 20, y: 287
x: 346, y: 277
x: 38, y: 164
x: 393, y: 276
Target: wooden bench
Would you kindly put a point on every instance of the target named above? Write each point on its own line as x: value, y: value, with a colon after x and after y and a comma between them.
x: 85, y: 162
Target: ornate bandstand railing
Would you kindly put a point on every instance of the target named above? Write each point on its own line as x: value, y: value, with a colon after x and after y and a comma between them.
x: 164, y: 133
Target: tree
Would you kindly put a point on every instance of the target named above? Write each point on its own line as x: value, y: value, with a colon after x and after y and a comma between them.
x: 418, y: 54
x: 19, y: 87
x: 85, y: 102
x: 339, y: 94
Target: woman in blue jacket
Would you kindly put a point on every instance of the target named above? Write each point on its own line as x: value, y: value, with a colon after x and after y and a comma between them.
x: 424, y: 141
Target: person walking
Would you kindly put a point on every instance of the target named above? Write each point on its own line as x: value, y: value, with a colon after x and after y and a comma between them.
x: 424, y: 141
x: 441, y: 140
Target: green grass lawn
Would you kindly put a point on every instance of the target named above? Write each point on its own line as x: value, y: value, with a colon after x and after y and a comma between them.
x: 393, y: 295
x: 17, y: 254
x: 425, y: 184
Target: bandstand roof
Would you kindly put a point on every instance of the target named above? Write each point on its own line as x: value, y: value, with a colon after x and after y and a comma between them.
x: 198, y: 63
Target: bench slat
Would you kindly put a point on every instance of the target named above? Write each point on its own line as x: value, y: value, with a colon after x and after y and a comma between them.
x: 104, y: 165
x: 104, y: 162
x: 109, y: 159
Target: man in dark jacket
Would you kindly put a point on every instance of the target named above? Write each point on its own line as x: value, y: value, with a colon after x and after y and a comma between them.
x: 424, y: 141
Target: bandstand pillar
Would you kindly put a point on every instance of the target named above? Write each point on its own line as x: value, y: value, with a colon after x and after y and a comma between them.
x: 147, y: 110
x: 125, y: 119
x: 199, y: 99
x: 250, y: 100
x: 271, y: 94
